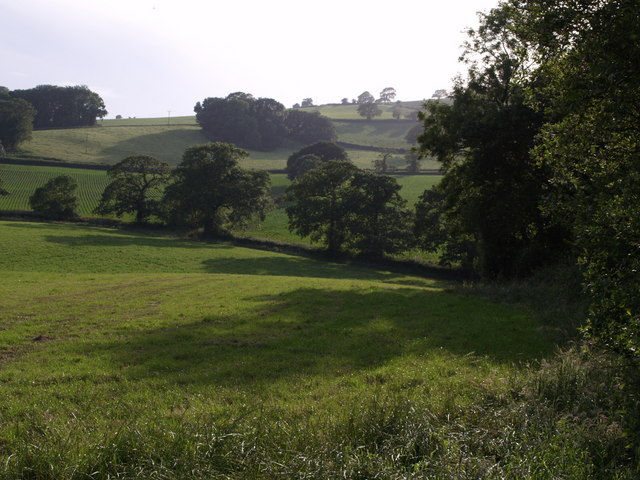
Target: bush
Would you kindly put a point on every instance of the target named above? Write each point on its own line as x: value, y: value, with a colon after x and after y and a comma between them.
x: 56, y: 199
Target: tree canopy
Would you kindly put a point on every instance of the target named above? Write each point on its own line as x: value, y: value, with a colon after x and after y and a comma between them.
x: 16, y: 122
x: 56, y: 199
x: 242, y: 119
x: 344, y: 207
x: 133, y: 181
x: 311, y: 156
x: 210, y: 189
x: 63, y: 106
x: 309, y: 127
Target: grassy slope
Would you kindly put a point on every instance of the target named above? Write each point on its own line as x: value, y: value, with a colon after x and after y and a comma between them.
x: 107, y: 331
x: 133, y: 355
x: 166, y: 139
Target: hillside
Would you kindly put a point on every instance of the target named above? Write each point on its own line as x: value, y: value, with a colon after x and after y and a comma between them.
x: 150, y: 351
x: 166, y: 139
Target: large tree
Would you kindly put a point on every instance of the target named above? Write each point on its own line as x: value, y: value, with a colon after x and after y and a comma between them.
x: 311, y: 156
x: 369, y: 110
x: 346, y: 208
x: 212, y: 191
x: 309, y: 127
x: 493, y: 188
x: 133, y: 182
x: 589, y: 55
x: 242, y: 119
x: 63, y: 106
x: 16, y: 122
x: 56, y: 199
x: 387, y: 94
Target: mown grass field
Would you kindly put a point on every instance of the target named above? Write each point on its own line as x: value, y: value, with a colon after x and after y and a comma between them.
x: 121, y: 350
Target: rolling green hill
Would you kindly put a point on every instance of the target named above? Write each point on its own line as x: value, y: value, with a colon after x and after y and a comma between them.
x: 167, y: 138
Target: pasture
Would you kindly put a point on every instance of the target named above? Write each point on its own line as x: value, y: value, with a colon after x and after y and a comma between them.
x: 129, y: 354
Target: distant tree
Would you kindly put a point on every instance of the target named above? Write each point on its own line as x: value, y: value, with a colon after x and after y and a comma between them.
x: 307, y: 102
x: 63, y: 106
x: 309, y: 127
x: 378, y: 221
x: 365, y: 97
x: 440, y: 93
x: 344, y: 207
x: 212, y: 191
x: 397, y: 110
x: 56, y: 199
x: 345, y: 101
x: 133, y: 180
x: 324, y: 151
x: 319, y: 208
x: 16, y: 122
x: 118, y: 117
x: 387, y: 94
x: 241, y: 119
x: 413, y: 162
x: 296, y: 105
x: 380, y: 164
x: 303, y: 164
x: 369, y: 110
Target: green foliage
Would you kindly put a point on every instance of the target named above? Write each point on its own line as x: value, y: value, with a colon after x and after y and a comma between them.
x: 342, y: 206
x: 309, y: 127
x: 133, y: 181
x: 369, y: 110
x: 211, y: 190
x: 63, y: 106
x: 590, y: 55
x: 56, y: 199
x: 16, y: 123
x: 299, y: 162
x: 489, y: 201
x: 241, y: 119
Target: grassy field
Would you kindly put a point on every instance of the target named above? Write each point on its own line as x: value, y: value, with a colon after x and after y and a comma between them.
x: 167, y: 138
x: 129, y: 354
x: 109, y: 336
x: 22, y: 180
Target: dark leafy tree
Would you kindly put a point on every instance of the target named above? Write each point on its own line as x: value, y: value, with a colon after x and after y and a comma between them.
x: 379, y: 221
x: 56, y: 199
x: 134, y: 182
x: 440, y: 93
x: 241, y: 119
x: 324, y: 151
x: 493, y: 188
x: 344, y: 101
x: 307, y: 102
x: 346, y: 208
x: 397, y: 110
x: 387, y: 94
x: 309, y: 127
x: 369, y: 110
x: 589, y: 54
x: 365, y: 97
x: 16, y: 123
x: 63, y: 106
x: 303, y: 164
x: 212, y: 191
x: 320, y: 207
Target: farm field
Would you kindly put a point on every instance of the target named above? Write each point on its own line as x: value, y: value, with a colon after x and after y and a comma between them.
x: 167, y: 138
x: 143, y: 355
x: 22, y: 180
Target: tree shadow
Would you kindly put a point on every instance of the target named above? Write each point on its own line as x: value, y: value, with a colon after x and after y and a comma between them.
x: 311, y: 331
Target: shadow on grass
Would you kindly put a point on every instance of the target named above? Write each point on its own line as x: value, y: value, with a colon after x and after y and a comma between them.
x: 308, y: 332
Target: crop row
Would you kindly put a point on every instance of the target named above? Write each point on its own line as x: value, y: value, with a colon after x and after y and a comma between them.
x: 22, y: 180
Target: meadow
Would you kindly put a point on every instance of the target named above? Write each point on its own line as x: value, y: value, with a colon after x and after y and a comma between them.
x: 107, y: 333
x: 133, y: 354
x: 22, y: 180
x: 166, y: 139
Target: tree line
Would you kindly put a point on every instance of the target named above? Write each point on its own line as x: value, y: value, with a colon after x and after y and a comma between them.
x: 540, y: 150
x: 45, y: 106
x: 261, y: 124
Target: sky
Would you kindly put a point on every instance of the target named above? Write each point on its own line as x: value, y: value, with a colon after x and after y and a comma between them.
x: 157, y: 58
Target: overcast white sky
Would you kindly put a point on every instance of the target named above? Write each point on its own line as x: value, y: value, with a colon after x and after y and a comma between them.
x: 148, y: 57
